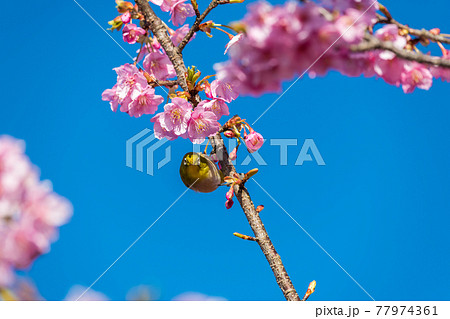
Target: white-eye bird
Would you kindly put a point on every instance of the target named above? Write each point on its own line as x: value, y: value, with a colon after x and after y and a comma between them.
x: 198, y: 172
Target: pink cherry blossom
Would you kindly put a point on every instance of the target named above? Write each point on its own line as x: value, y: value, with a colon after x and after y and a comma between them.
x: 217, y: 106
x: 233, y: 41
x: 176, y: 116
x: 442, y: 73
x: 179, y: 34
x: 111, y: 96
x: 132, y: 32
x: 253, y: 141
x: 342, y: 5
x: 201, y: 125
x: 145, y: 103
x: 160, y: 132
x: 223, y: 90
x: 351, y: 26
x: 416, y: 75
x: 390, y: 33
x: 158, y: 64
x: 126, y: 17
x: 390, y: 69
x: 287, y: 40
x: 208, y: 91
x: 130, y: 83
x: 180, y: 11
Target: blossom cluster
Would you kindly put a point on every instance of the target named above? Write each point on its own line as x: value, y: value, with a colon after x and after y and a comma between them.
x: 282, y: 41
x: 30, y: 212
x: 132, y: 92
x: 179, y: 10
x: 181, y: 119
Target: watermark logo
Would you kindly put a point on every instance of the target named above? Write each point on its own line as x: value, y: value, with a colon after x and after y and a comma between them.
x: 144, y: 144
x: 138, y: 144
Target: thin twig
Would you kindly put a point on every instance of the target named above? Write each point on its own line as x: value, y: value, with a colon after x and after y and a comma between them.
x: 160, y: 31
x: 245, y: 237
x: 195, y: 6
x: 372, y: 43
x: 424, y: 34
x: 196, y: 26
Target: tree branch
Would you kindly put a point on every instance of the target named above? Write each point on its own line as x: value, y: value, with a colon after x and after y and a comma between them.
x: 160, y: 31
x: 424, y: 34
x: 168, y: 83
x: 261, y: 236
x: 372, y: 43
x: 196, y: 26
x: 241, y: 192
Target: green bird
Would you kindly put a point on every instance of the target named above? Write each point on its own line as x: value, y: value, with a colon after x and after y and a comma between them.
x: 199, y: 173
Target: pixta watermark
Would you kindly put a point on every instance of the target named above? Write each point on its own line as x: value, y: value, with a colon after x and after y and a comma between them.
x: 141, y: 148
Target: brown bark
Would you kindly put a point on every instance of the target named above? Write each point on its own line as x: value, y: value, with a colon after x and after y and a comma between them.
x: 153, y: 23
x: 371, y: 43
x: 423, y: 34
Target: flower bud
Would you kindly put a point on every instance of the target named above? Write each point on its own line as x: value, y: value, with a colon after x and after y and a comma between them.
x: 253, y: 141
x: 229, y: 203
x: 251, y: 173
x: 123, y: 6
x: 435, y: 31
x: 229, y: 134
x: 115, y: 24
x: 233, y: 154
x: 230, y: 193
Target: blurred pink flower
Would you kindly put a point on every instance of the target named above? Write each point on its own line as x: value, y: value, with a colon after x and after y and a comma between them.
x: 179, y: 34
x: 179, y: 11
x: 196, y: 296
x: 30, y: 212
x: 442, y: 73
x: 282, y: 41
x: 416, y: 75
x: 390, y: 33
x: 351, y: 26
x: 91, y: 295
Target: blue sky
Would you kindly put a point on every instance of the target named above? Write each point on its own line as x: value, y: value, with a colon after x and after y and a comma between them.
x: 379, y: 206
